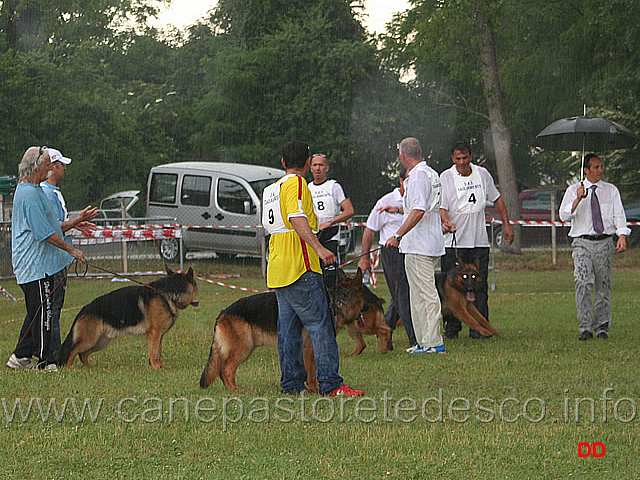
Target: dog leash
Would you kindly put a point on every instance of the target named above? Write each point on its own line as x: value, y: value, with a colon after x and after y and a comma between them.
x: 111, y: 273
x: 360, y: 256
x: 454, y: 245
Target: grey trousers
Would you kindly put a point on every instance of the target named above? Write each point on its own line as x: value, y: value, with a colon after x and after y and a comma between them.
x: 593, y: 261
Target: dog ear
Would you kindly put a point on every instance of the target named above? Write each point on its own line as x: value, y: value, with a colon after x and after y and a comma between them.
x: 358, y: 275
x: 170, y: 272
x: 190, y: 273
x: 341, y: 275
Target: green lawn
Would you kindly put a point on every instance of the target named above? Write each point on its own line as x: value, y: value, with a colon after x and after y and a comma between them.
x: 515, y: 406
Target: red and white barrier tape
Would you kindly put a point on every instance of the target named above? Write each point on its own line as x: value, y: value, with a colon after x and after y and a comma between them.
x: 146, y: 234
x: 244, y: 289
x: 150, y: 232
x: 9, y: 296
x: 374, y: 258
x: 541, y: 223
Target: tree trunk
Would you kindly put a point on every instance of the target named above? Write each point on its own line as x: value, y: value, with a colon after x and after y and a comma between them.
x: 499, y: 132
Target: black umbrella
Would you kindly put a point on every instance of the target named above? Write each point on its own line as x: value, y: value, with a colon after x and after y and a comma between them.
x: 585, y: 133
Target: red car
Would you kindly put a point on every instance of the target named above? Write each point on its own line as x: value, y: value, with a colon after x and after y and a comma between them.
x: 535, y: 206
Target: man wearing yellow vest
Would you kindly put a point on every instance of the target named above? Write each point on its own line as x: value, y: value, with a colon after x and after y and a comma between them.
x: 294, y: 273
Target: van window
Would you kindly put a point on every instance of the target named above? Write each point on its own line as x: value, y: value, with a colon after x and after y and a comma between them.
x: 196, y: 190
x: 233, y: 197
x: 259, y: 185
x: 163, y: 188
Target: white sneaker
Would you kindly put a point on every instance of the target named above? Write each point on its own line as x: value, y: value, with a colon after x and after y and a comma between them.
x: 52, y: 367
x: 20, y: 363
x: 413, y: 349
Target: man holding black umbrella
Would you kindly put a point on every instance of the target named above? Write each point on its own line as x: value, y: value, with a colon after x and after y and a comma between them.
x: 593, y: 223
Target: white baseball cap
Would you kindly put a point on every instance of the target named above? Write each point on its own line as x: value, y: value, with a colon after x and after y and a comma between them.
x: 56, y: 156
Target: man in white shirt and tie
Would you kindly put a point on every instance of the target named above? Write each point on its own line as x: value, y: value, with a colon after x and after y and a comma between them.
x: 593, y: 223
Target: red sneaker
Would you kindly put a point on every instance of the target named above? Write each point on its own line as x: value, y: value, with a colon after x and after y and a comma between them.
x: 345, y: 390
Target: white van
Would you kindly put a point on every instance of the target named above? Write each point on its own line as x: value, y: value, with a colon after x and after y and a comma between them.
x: 218, y: 203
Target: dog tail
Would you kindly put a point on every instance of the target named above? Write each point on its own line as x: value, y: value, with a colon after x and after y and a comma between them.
x: 212, y: 369
x: 65, y: 349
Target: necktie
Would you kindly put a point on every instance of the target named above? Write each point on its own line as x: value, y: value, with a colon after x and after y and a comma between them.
x: 596, y: 217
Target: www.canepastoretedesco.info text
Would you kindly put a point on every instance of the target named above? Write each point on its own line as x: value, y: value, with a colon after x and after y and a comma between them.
x: 438, y: 408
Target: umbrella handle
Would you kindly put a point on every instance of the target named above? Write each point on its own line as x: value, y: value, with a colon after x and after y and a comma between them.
x: 582, y: 162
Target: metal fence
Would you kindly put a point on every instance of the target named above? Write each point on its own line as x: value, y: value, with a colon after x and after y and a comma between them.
x: 132, y: 245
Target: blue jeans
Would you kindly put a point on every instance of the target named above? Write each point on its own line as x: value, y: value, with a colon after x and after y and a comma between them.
x: 304, y: 304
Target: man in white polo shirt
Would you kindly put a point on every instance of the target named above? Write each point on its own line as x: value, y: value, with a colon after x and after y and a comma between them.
x: 421, y: 240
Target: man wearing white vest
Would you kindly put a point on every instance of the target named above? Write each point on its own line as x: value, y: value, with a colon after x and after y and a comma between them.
x: 420, y: 239
x: 330, y: 203
x: 466, y: 188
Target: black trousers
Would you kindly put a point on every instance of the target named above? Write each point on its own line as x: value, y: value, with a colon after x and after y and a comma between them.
x: 468, y: 255
x: 41, y: 323
x: 399, y: 306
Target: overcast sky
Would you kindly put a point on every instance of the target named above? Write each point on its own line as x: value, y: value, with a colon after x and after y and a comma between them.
x: 186, y: 12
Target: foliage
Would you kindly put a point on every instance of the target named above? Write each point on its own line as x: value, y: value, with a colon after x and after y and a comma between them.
x: 89, y: 78
x: 553, y: 58
x: 314, y: 77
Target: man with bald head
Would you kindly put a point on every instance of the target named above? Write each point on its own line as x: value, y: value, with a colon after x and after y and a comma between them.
x: 330, y: 204
x: 421, y: 240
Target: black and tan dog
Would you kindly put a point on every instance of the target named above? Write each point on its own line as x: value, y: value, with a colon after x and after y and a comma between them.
x: 139, y: 310
x: 457, y: 291
x: 251, y: 322
x: 370, y: 322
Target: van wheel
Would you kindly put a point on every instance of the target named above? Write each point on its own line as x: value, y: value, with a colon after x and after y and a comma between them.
x: 170, y: 249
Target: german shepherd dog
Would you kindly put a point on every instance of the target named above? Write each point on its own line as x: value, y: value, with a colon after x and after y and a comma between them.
x: 457, y: 291
x: 370, y: 322
x: 252, y: 322
x: 139, y: 310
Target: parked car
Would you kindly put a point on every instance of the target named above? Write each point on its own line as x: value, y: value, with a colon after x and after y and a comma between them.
x: 111, y: 207
x: 218, y: 202
x: 535, y: 205
x: 633, y: 215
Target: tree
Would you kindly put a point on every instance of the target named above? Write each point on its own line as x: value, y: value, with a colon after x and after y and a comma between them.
x: 308, y: 72
x: 453, y: 43
x: 68, y: 86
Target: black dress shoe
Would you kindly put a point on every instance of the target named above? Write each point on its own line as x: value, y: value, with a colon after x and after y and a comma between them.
x: 586, y: 335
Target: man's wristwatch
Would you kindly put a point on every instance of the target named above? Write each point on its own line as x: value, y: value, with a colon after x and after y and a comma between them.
x: 397, y: 237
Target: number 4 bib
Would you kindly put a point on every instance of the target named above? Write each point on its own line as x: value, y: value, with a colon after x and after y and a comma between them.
x: 470, y: 192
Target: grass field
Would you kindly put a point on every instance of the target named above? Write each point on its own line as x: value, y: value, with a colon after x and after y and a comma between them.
x: 514, y: 406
